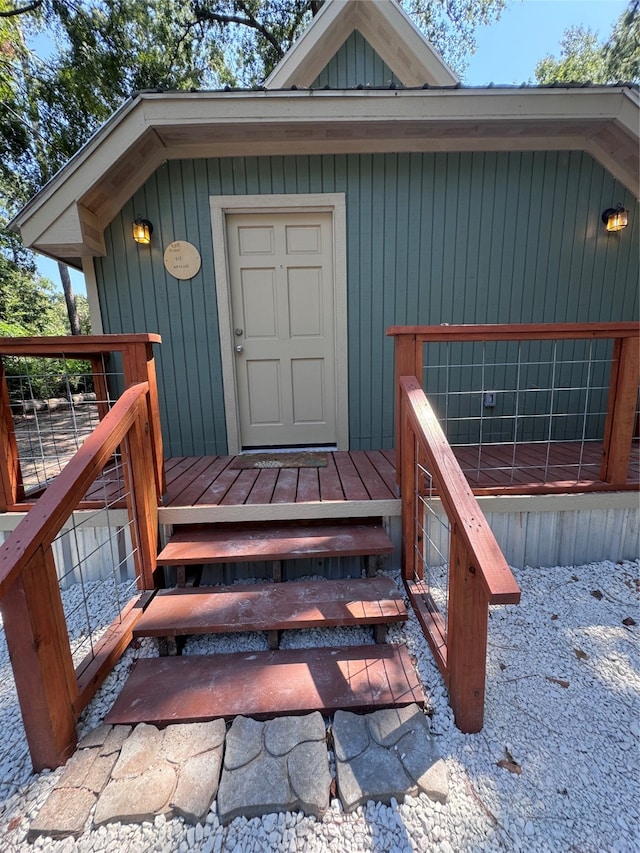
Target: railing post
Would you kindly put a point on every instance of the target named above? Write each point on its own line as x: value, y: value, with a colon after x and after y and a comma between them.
x: 139, y: 366
x: 621, y: 409
x: 38, y: 643
x: 11, y: 488
x: 142, y: 497
x: 406, y: 464
x: 405, y: 365
x: 467, y: 625
x: 100, y: 382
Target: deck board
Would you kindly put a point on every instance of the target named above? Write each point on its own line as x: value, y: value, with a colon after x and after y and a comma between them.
x: 286, y: 487
x: 272, y: 607
x: 266, y: 684
x: 330, y: 485
x: 201, y: 475
x: 225, y: 543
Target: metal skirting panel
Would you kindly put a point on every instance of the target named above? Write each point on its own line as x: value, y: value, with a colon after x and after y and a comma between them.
x: 567, y: 537
x: 91, y: 553
x: 559, y: 537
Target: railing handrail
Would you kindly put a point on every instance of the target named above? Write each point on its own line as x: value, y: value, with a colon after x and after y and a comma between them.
x: 51, y: 689
x: 457, y: 498
x: 518, y: 331
x: 45, y: 520
x: 77, y: 345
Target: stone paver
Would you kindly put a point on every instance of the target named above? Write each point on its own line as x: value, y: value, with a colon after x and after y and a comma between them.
x: 197, y: 786
x: 134, y: 799
x: 66, y: 812
x: 386, y: 755
x: 278, y: 766
x: 134, y: 775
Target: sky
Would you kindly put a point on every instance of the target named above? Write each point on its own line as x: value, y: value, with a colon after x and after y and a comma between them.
x: 508, y: 52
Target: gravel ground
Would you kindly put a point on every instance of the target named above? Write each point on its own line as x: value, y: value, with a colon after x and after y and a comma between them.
x: 555, y: 767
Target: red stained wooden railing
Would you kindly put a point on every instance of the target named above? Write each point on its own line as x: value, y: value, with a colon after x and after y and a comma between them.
x: 138, y: 365
x: 478, y: 572
x: 51, y: 691
x: 623, y: 384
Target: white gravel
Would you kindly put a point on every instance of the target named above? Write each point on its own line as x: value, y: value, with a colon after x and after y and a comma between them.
x: 562, y: 705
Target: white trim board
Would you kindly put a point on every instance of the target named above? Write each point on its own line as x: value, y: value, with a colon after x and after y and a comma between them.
x: 384, y: 24
x: 334, y: 203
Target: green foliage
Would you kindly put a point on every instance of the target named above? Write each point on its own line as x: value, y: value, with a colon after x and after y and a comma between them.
x: 622, y: 51
x: 30, y: 306
x: 27, y: 302
x: 450, y: 25
x: 583, y: 58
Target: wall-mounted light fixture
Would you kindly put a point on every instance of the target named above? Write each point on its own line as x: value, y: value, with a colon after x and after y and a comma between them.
x: 615, y: 218
x: 142, y: 230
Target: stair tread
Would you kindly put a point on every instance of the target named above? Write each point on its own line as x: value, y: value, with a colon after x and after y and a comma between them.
x: 271, y: 607
x: 266, y: 684
x: 232, y: 543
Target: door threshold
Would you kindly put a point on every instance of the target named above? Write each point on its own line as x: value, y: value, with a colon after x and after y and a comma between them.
x: 296, y: 448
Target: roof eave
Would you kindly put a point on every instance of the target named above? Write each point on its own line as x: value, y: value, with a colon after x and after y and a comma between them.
x: 63, y: 222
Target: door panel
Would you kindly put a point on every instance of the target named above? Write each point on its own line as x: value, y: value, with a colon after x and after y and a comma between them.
x: 259, y: 304
x: 308, y: 383
x: 263, y: 383
x: 305, y: 303
x: 282, y: 302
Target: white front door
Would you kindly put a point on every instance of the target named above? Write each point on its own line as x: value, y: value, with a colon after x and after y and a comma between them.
x: 281, y: 270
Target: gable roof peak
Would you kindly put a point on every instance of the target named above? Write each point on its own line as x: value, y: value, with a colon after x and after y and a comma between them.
x: 387, y: 28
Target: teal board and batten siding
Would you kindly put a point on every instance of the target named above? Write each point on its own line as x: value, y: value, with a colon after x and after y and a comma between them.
x: 355, y: 64
x: 431, y: 238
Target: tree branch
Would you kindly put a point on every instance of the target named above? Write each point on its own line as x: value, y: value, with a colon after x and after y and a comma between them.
x: 11, y: 13
x: 249, y: 21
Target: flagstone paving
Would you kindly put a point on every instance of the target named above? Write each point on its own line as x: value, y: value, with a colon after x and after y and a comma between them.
x: 120, y: 774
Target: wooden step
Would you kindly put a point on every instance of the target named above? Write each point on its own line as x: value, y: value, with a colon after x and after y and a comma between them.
x: 272, y: 607
x: 266, y: 684
x: 232, y: 543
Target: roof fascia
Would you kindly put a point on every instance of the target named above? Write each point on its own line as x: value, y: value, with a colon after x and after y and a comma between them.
x: 130, y: 144
x: 387, y: 28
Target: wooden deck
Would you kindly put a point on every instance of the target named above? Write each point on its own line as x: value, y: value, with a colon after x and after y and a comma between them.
x: 357, y: 483
x: 363, y: 483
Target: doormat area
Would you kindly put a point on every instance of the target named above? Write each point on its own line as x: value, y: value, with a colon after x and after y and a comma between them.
x: 281, y: 460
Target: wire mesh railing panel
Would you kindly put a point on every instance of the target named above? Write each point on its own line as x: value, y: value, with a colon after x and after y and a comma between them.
x: 533, y: 409
x: 431, y: 544
x: 95, y: 556
x: 55, y: 404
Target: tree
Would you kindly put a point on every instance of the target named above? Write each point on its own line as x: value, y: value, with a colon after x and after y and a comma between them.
x: 28, y: 302
x: 583, y: 58
x: 105, y: 51
x: 622, y: 51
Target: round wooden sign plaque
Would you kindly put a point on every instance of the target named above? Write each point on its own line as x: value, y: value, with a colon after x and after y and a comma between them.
x: 182, y: 260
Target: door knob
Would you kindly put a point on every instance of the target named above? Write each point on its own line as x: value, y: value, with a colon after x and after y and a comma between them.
x: 239, y: 348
